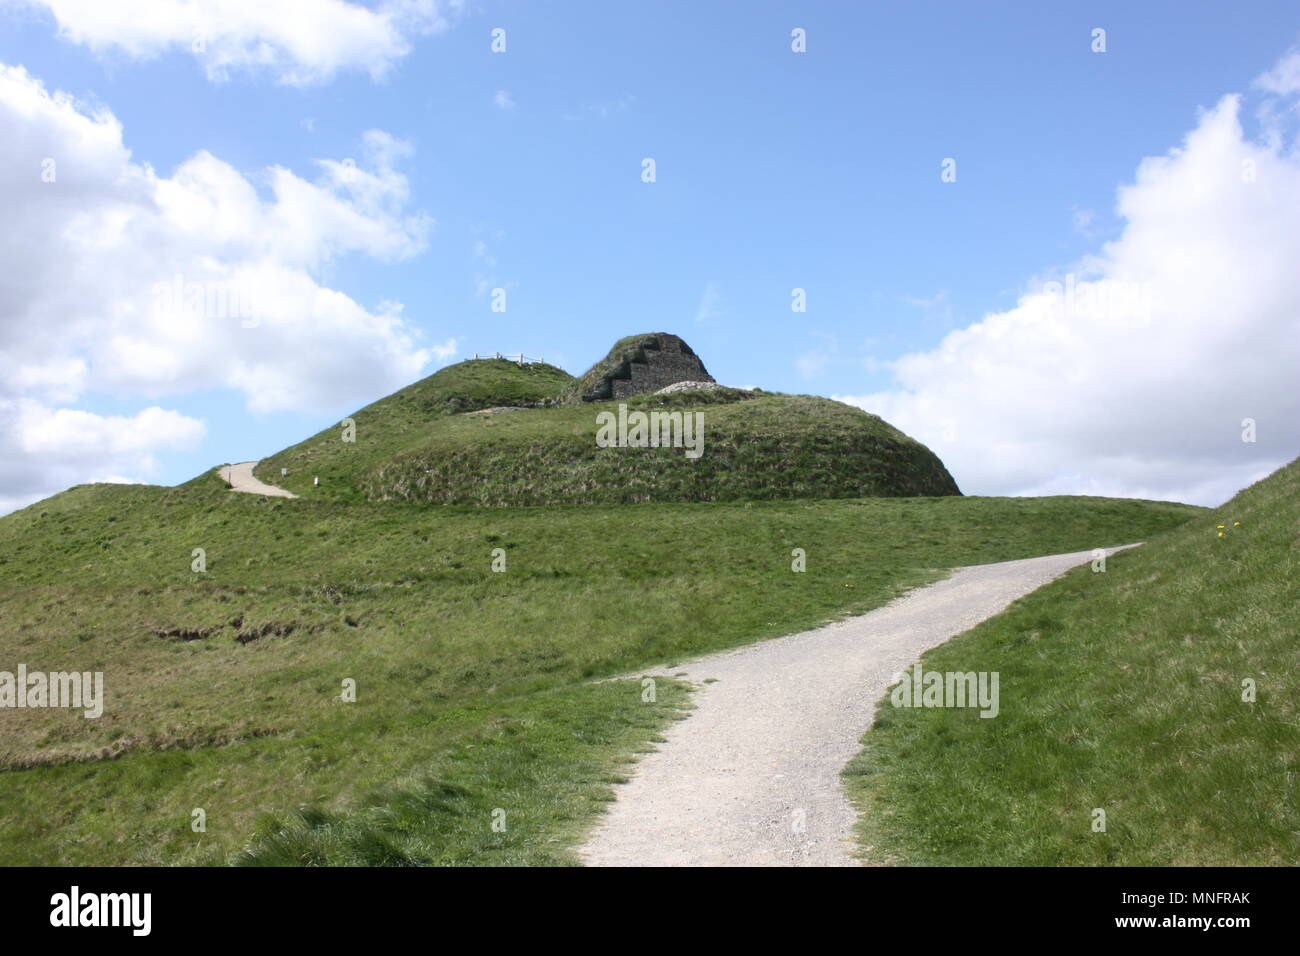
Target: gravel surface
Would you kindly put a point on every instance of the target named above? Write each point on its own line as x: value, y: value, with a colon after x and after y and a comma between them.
x: 241, y: 478
x: 752, y: 776
x: 687, y: 387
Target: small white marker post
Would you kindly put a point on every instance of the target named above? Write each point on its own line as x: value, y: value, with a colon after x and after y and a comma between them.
x: 315, y: 481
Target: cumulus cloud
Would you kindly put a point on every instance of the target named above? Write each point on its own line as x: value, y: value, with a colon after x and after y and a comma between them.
x: 1132, y: 374
x: 43, y: 449
x: 301, y: 43
x: 125, y: 282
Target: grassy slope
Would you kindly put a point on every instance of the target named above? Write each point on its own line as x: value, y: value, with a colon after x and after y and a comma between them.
x: 445, y: 653
x: 764, y: 447
x: 386, y: 426
x: 1120, y: 691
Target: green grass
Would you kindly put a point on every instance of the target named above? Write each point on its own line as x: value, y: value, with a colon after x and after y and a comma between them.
x: 470, y: 385
x: 756, y: 446
x: 357, y: 790
x: 1120, y: 691
x: 522, y: 793
x: 436, y: 442
x: 386, y: 426
x: 446, y: 654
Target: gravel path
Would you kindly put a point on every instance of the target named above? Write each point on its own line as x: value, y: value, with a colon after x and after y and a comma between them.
x: 241, y: 479
x: 763, y: 750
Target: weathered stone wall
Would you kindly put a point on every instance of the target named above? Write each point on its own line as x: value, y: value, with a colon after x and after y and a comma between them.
x: 660, y: 360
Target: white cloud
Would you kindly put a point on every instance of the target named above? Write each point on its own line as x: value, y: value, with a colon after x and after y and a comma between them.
x: 1284, y: 78
x: 298, y: 43
x: 446, y: 351
x: 710, y: 306
x: 68, y: 433
x: 503, y: 100
x: 1137, y: 385
x: 44, y: 449
x: 120, y: 281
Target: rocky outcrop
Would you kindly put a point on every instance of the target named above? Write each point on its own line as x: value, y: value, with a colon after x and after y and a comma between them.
x: 642, y: 363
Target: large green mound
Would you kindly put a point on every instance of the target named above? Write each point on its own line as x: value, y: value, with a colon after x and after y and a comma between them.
x: 754, y: 448
x: 1123, y: 691
x: 413, y: 446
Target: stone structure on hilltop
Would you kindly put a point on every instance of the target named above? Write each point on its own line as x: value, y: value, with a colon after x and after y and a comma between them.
x: 643, y: 363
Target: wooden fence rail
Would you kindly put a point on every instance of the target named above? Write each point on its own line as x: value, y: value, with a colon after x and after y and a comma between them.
x: 519, y: 357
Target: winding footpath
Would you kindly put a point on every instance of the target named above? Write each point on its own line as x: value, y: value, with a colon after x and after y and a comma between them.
x: 240, y: 478
x: 752, y: 776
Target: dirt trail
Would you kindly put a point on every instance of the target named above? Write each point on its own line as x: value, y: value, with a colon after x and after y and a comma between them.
x: 752, y: 776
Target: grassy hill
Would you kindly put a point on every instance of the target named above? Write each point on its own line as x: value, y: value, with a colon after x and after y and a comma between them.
x: 757, y: 446
x: 1121, y: 691
x: 384, y: 427
x: 492, y: 432
x: 472, y: 687
x: 470, y: 385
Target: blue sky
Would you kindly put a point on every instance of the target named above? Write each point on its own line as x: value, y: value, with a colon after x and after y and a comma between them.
x: 775, y: 170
